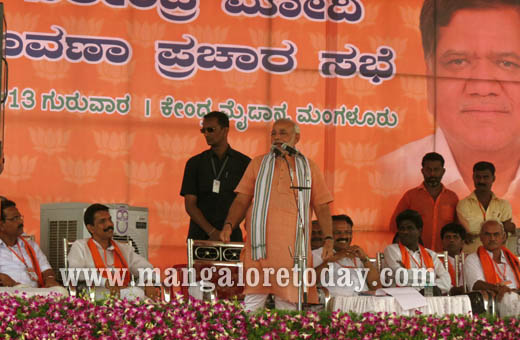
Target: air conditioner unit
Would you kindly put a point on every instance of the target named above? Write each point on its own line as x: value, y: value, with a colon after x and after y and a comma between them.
x: 65, y: 220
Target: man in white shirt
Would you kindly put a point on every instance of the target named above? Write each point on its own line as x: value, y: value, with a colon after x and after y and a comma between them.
x: 452, y: 237
x: 409, y: 254
x: 348, y: 262
x: 101, y: 251
x: 494, y: 268
x: 21, y: 261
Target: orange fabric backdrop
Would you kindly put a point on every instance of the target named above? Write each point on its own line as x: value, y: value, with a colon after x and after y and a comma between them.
x: 138, y: 157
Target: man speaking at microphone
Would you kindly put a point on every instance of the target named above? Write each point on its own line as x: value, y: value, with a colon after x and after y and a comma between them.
x: 267, y: 193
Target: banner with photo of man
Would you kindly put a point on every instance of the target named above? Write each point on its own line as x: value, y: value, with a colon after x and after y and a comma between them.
x: 105, y: 99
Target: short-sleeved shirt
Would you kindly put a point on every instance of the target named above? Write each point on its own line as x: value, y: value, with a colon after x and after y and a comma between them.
x: 435, y: 213
x: 471, y: 215
x: 11, y: 265
x: 198, y: 180
x: 393, y: 259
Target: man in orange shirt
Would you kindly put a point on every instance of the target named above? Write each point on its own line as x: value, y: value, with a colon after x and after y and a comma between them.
x: 436, y: 204
x: 265, y: 195
x: 21, y: 261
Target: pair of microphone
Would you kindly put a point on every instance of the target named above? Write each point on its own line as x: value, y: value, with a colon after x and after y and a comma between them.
x: 284, y: 149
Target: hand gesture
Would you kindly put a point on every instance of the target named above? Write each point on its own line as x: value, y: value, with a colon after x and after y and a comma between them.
x: 357, y: 251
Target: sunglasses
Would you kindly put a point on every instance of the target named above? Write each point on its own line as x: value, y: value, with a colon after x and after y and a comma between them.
x: 208, y: 129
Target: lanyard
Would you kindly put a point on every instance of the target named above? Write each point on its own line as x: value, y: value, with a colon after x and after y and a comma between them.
x: 18, y: 256
x: 106, y: 260
x: 221, y: 168
x: 482, y: 209
x: 501, y: 275
x: 105, y: 256
x: 417, y: 263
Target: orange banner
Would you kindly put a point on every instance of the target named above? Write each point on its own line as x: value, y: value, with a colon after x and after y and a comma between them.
x: 105, y: 100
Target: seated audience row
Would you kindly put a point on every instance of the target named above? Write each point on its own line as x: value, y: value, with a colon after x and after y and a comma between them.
x: 23, y: 264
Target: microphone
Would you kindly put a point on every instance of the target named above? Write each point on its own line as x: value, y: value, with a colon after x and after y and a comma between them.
x: 276, y: 150
x: 290, y: 150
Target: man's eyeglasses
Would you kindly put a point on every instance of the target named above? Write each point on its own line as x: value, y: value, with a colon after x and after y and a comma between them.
x: 208, y: 129
x: 15, y: 218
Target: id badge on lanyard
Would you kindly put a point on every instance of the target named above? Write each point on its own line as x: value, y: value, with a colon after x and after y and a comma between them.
x: 216, y: 186
x: 216, y: 181
x: 30, y: 271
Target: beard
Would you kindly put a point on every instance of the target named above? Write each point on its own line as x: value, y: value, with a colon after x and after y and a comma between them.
x: 433, y: 181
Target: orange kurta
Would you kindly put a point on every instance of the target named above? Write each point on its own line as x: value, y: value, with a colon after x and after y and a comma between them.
x: 281, y: 226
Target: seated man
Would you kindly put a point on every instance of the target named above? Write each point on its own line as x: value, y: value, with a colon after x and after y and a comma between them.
x: 21, y: 261
x: 346, y: 258
x: 452, y: 238
x: 409, y: 254
x: 494, y: 268
x: 102, y: 252
x: 316, y: 235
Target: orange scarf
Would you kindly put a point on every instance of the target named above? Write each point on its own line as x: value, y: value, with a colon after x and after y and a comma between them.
x: 488, y: 267
x: 34, y: 260
x: 451, y: 270
x: 426, y: 257
x: 119, y: 260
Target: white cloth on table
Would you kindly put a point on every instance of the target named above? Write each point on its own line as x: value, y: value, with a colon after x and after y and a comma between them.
x: 439, y: 305
x: 29, y: 291
x: 11, y: 265
x: 510, y: 305
x: 254, y: 302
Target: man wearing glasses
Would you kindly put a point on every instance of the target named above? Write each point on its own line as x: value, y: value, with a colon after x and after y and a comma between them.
x: 210, y: 179
x: 21, y: 261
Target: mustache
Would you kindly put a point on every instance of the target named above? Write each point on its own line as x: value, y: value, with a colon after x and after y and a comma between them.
x: 108, y: 228
x: 316, y: 239
x: 485, y: 105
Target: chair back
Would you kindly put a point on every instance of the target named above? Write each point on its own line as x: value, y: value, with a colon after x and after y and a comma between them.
x: 459, y: 268
x: 444, y: 259
x: 380, y: 257
x: 203, y: 253
x: 71, y: 288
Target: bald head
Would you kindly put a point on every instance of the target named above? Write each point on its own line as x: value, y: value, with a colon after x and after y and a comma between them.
x: 289, y: 122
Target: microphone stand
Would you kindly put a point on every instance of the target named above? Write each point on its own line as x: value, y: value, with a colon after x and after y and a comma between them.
x: 300, y: 253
